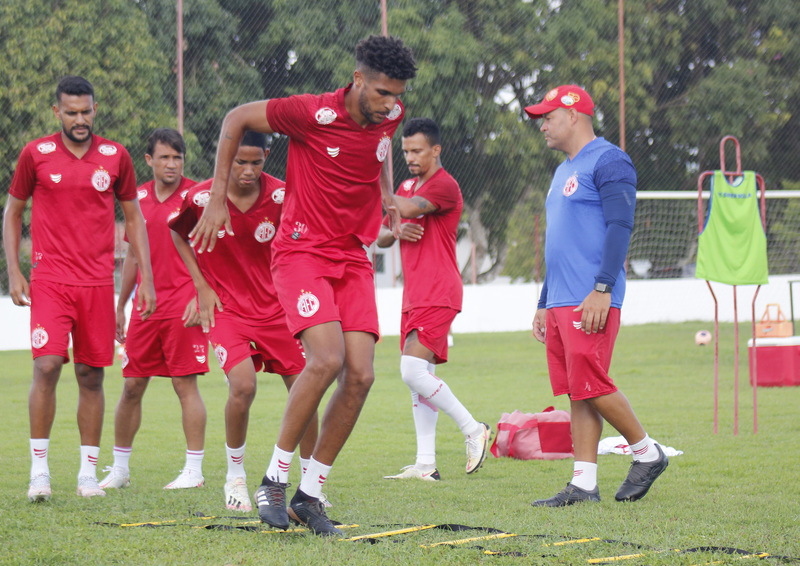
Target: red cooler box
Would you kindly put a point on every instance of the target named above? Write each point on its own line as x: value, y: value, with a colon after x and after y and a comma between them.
x: 778, y: 361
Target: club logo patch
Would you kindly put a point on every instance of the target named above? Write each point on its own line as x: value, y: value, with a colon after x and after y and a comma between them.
x: 222, y: 354
x: 201, y: 199
x: 570, y: 186
x: 56, y: 178
x: 570, y: 98
x: 265, y: 231
x: 184, y: 193
x: 39, y: 337
x: 278, y: 195
x: 383, y: 148
x: 395, y: 113
x: 101, y: 180
x: 551, y: 95
x: 333, y: 151
x: 141, y: 193
x: 46, y: 147
x: 307, y: 305
x: 408, y: 185
x: 107, y: 149
x: 325, y: 116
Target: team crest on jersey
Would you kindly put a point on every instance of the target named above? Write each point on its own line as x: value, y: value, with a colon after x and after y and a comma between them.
x: 199, y: 353
x: 46, y: 147
x: 278, y: 195
x: 173, y: 215
x: 396, y: 111
x: 222, y: 354
x: 383, y: 148
x: 101, y: 180
x: 39, y: 337
x: 184, y: 193
x: 141, y: 193
x: 332, y: 151
x: 265, y: 231
x: 107, y: 149
x: 55, y: 178
x: 325, y: 116
x: 408, y: 185
x: 201, y: 199
x: 307, y: 304
x: 571, y: 185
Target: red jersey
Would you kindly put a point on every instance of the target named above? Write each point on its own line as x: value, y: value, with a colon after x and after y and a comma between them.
x: 174, y: 287
x: 72, y: 212
x: 332, y: 173
x: 239, y: 267
x: 433, y: 257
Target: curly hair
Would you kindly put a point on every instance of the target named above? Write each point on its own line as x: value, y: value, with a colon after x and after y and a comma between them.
x: 386, y: 55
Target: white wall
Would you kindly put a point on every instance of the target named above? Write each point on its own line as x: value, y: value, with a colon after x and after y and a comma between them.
x: 509, y: 307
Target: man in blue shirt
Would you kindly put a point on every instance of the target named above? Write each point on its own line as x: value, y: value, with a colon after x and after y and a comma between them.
x: 590, y: 207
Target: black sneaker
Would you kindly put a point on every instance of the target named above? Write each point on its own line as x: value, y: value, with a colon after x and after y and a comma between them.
x: 308, y: 511
x: 641, y: 476
x: 271, y: 502
x: 569, y: 496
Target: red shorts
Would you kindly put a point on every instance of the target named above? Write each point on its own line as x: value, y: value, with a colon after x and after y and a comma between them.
x: 579, y: 362
x: 272, y: 347
x: 432, y: 325
x: 165, y: 348
x: 314, y: 290
x: 85, y: 312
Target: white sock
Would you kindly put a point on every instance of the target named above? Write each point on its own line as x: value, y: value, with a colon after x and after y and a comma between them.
x: 425, y: 417
x: 645, y: 450
x: 194, y: 461
x: 314, y: 478
x: 584, y: 475
x: 416, y: 375
x: 89, y: 456
x: 39, y: 462
x: 304, y: 464
x: 122, y: 457
x: 235, y: 457
x: 278, y: 469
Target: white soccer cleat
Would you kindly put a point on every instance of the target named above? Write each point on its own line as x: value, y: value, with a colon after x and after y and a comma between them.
x: 88, y: 487
x: 236, y: 496
x: 39, y: 488
x: 477, y: 448
x: 412, y: 472
x: 187, y: 479
x: 116, y: 479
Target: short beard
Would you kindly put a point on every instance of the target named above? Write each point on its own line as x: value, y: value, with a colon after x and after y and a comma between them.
x: 73, y: 138
x: 372, y: 117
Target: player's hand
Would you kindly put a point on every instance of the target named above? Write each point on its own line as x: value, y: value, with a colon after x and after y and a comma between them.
x: 190, y: 315
x: 411, y: 232
x: 540, y: 325
x: 146, y: 305
x: 594, y: 311
x: 390, y: 206
x: 207, y: 301
x: 121, y: 320
x: 205, y: 233
x: 19, y: 289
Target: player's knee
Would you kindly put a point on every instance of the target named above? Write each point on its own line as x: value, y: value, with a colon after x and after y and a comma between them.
x: 47, y: 368
x: 134, y: 389
x: 90, y: 378
x: 359, y: 382
x: 325, y: 365
x: 414, y: 371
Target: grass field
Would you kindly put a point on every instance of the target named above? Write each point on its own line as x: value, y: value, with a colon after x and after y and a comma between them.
x: 724, y: 491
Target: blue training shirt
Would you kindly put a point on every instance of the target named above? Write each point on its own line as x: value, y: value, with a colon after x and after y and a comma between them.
x: 590, y: 207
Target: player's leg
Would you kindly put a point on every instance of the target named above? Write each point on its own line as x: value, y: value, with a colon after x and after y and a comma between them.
x: 193, y: 418
x: 127, y: 419
x: 42, y: 411
x: 242, y: 385
x: 309, y: 439
x: 91, y: 407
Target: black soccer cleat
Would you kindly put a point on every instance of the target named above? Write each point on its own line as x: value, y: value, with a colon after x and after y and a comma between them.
x: 641, y: 476
x: 309, y: 511
x: 271, y: 502
x: 570, y: 495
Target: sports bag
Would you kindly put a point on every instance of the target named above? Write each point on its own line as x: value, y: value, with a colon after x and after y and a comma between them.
x: 540, y: 436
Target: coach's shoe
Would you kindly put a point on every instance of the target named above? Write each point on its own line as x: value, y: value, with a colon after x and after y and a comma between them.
x: 412, y: 472
x: 187, y: 479
x: 308, y: 511
x: 88, y: 487
x: 39, y: 488
x: 236, y: 496
x: 477, y: 448
x: 117, y: 478
x: 641, y: 476
x: 271, y: 502
x: 569, y: 496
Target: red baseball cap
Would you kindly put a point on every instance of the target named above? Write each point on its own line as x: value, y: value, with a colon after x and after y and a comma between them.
x: 565, y: 96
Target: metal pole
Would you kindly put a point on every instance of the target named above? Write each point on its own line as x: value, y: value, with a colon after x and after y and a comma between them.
x: 180, y: 66
x: 621, y: 6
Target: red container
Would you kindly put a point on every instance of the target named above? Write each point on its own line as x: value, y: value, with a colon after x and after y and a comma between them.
x: 778, y: 361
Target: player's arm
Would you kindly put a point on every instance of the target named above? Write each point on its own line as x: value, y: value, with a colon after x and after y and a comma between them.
x: 414, y: 206
x: 250, y: 116
x: 137, y: 236
x: 129, y: 268
x: 389, y: 202
x: 207, y: 298
x: 18, y: 286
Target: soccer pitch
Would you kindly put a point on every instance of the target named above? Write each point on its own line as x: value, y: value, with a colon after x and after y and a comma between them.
x: 735, y: 492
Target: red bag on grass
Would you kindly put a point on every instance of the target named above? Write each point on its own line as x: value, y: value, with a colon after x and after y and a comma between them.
x: 540, y: 436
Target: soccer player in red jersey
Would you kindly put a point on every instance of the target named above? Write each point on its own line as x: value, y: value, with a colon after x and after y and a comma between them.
x: 170, y: 343
x: 336, y: 179
x: 72, y: 178
x: 238, y: 307
x: 430, y: 204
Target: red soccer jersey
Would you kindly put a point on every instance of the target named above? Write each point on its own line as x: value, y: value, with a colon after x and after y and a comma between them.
x: 430, y: 271
x: 174, y: 287
x: 239, y: 267
x: 332, y: 173
x: 72, y: 214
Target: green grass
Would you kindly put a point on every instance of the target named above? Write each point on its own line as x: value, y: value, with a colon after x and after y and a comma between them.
x: 725, y: 491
